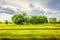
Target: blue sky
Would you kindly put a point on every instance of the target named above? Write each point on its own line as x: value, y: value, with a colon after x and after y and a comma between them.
x: 49, y: 8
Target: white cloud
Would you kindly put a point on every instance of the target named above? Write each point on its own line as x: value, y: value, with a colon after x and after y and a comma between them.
x: 5, y: 16
x: 25, y: 6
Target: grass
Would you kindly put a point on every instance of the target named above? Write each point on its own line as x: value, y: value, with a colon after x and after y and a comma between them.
x: 29, y: 26
x: 29, y: 33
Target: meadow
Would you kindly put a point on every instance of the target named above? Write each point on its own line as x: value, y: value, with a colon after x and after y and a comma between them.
x: 29, y: 33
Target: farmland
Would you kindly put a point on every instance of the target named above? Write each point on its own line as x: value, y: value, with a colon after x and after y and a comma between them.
x: 29, y: 33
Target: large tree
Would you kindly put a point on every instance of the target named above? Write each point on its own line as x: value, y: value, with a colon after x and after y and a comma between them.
x: 18, y: 19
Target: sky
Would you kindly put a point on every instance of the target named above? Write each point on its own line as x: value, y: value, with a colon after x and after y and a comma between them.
x: 49, y: 8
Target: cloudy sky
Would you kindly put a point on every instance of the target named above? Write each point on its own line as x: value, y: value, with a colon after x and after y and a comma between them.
x: 49, y: 8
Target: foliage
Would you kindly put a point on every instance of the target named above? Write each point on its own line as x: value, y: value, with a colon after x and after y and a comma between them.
x: 18, y: 19
x: 21, y: 18
x: 27, y: 20
x: 42, y: 19
x: 52, y: 20
x: 58, y: 22
x: 34, y: 19
x: 38, y: 19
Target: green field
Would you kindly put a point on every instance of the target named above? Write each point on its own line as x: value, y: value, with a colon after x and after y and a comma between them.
x: 29, y: 33
x: 29, y: 26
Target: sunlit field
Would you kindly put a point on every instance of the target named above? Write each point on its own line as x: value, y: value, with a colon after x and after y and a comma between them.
x: 29, y: 33
x: 4, y: 26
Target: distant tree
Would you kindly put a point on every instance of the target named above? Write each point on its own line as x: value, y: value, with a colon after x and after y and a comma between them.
x: 39, y: 19
x: 21, y: 19
x: 18, y: 19
x: 42, y: 19
x: 27, y: 20
x: 45, y: 19
x: 53, y: 20
x: 58, y: 22
x: 34, y: 19
x: 6, y: 21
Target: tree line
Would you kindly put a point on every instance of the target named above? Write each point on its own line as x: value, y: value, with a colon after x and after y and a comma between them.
x: 22, y: 19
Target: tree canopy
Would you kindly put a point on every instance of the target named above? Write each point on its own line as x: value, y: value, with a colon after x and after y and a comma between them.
x: 21, y: 19
x: 18, y: 19
x: 52, y: 20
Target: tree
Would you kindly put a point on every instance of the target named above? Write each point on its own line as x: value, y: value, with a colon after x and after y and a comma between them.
x: 42, y: 19
x: 27, y: 20
x: 45, y: 19
x: 34, y: 19
x: 6, y: 21
x: 39, y: 19
x: 18, y: 19
x: 52, y: 20
x: 58, y: 22
x: 0, y: 22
